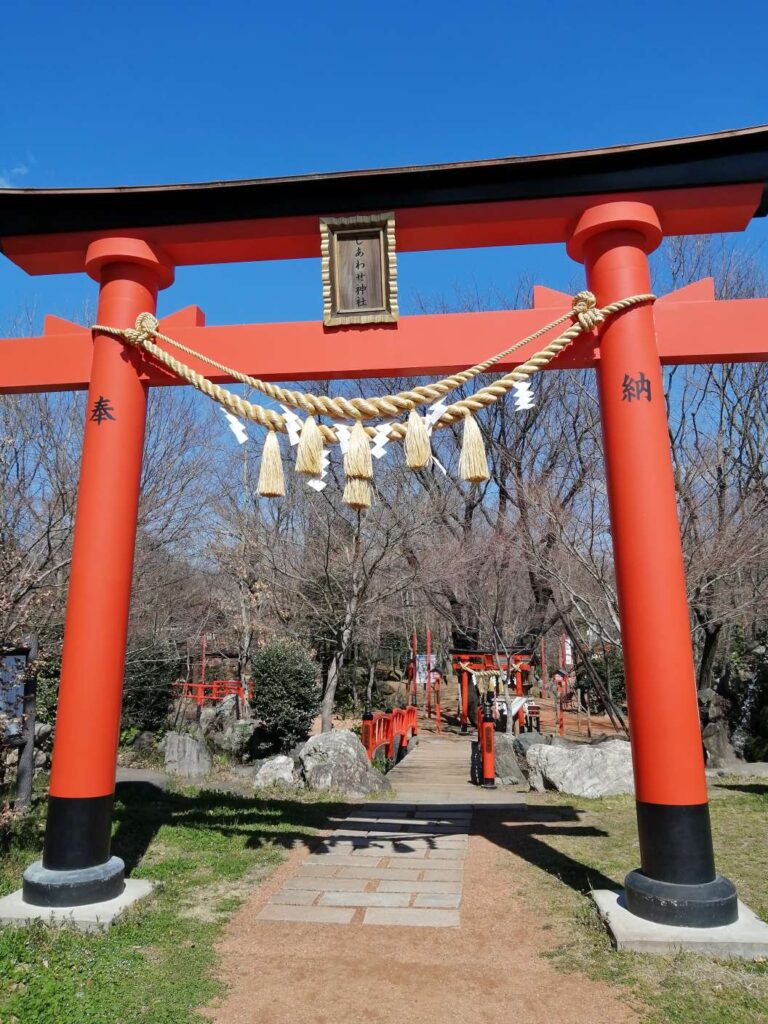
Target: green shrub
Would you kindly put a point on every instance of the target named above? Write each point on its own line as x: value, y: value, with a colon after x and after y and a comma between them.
x: 48, y: 673
x: 286, y: 692
x: 147, y: 694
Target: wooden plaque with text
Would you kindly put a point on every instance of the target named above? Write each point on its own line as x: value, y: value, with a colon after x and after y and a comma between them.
x: 359, y: 269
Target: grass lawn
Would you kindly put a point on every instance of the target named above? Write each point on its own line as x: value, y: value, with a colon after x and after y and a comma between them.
x: 594, y: 849
x: 204, y: 851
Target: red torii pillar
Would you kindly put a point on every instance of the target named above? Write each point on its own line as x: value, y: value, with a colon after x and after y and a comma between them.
x: 76, y: 866
x: 677, y: 882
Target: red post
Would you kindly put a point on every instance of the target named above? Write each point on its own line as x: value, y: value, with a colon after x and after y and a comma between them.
x: 487, y: 738
x: 429, y: 674
x: 366, y: 733
x: 677, y: 883
x: 88, y: 719
x: 464, y: 701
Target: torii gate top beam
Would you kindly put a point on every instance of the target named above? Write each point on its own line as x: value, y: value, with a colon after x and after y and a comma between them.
x: 702, y: 184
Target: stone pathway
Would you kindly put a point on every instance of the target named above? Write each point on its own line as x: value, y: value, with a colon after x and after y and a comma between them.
x: 387, y: 864
x: 397, y: 863
x: 437, y: 772
x: 436, y: 857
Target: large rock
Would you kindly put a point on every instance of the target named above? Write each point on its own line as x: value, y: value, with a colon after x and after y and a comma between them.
x: 526, y: 740
x: 717, y: 743
x: 219, y: 716
x: 337, y: 760
x: 43, y: 731
x: 277, y: 771
x: 224, y: 731
x: 144, y: 744
x: 186, y: 756
x: 392, y: 692
x: 586, y: 770
x: 238, y: 740
x: 508, y: 770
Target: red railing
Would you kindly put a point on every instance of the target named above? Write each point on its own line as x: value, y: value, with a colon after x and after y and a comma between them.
x: 383, y: 728
x: 217, y: 689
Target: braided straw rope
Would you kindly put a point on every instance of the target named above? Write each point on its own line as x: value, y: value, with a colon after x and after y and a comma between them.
x: 584, y: 309
x: 379, y: 406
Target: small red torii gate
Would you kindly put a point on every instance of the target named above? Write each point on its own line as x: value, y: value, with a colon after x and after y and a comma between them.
x: 610, y: 207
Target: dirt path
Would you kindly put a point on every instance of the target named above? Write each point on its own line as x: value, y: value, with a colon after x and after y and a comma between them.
x: 486, y: 968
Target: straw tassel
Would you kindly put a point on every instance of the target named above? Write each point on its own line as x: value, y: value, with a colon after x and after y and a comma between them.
x: 357, y: 492
x: 418, y: 451
x: 358, y: 462
x: 271, y: 481
x: 358, y: 468
x: 309, y: 457
x: 473, y: 465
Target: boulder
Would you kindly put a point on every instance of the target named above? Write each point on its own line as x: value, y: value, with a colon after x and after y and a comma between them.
x: 219, y: 716
x: 224, y: 731
x: 526, y: 740
x: 581, y: 769
x: 714, y: 712
x: 186, y: 756
x: 392, y: 693
x: 717, y: 743
x: 279, y: 770
x: 237, y: 740
x: 42, y: 760
x: 43, y: 731
x: 144, y: 743
x: 337, y: 760
x: 508, y: 770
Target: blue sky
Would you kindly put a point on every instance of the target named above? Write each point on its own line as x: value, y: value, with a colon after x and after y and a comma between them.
x: 136, y: 93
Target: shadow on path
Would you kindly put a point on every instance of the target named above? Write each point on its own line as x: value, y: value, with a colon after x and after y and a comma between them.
x: 524, y: 830
x: 141, y: 810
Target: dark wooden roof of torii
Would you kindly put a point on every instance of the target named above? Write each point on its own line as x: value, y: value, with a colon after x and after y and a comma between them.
x: 438, y: 206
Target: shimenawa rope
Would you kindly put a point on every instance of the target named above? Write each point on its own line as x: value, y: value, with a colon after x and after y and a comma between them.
x: 473, y: 463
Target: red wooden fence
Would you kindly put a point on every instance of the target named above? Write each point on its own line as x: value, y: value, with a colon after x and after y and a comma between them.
x: 383, y: 728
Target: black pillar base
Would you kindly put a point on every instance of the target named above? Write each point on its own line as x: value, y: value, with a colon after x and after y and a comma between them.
x: 702, y: 905
x: 489, y: 784
x: 464, y: 729
x: 47, y: 887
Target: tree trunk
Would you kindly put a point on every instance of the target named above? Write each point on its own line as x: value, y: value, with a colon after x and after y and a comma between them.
x: 329, y: 695
x: 25, y: 772
x: 712, y: 635
x: 369, y: 691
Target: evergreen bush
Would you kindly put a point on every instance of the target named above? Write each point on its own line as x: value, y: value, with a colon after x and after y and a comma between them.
x: 286, y: 692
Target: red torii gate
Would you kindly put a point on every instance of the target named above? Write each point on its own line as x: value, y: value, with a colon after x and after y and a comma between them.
x: 611, y: 208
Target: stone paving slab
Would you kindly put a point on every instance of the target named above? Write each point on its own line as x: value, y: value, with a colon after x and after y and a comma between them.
x: 295, y: 897
x: 327, y: 884
x: 412, y: 917
x: 378, y: 874
x: 365, y: 899
x: 321, y: 870
x: 447, y: 900
x: 336, y: 859
x: 418, y: 887
x: 312, y: 915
